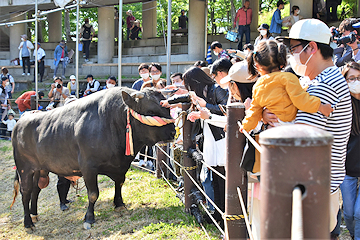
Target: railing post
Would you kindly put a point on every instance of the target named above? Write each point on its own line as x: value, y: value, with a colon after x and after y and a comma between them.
x: 188, y: 162
x: 235, y: 175
x: 295, y: 155
x: 33, y: 102
x: 160, y: 156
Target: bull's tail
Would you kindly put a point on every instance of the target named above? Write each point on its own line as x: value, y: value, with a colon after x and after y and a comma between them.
x: 16, y: 188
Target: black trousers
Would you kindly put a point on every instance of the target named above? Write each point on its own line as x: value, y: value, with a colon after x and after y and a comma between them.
x: 26, y: 62
x: 41, y: 70
x: 219, y: 193
x: 86, y: 47
x: 63, y: 186
x: 149, y: 152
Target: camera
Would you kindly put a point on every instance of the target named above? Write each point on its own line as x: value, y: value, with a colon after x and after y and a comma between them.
x: 58, y: 85
x: 351, y: 38
x: 335, y: 33
x: 185, y: 98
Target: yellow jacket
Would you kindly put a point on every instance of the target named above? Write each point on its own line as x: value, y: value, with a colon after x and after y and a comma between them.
x: 282, y: 94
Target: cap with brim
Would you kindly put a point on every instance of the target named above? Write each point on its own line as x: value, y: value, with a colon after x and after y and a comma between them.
x: 308, y: 30
x: 356, y: 25
x: 72, y: 77
x: 263, y: 26
x: 89, y: 75
x: 238, y: 73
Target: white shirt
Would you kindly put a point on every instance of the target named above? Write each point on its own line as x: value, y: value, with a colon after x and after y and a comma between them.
x: 10, y: 124
x: 40, y: 53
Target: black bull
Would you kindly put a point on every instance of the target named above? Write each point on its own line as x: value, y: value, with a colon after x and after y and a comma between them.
x: 85, y: 138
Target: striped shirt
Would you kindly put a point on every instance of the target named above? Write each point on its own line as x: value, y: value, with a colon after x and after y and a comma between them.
x: 331, y: 87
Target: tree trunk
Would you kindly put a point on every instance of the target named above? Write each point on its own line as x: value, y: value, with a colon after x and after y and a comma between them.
x: 67, y: 25
x: 232, y: 11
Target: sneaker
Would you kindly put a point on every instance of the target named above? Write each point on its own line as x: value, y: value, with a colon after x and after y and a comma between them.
x: 86, y: 60
x: 23, y: 74
x: 28, y: 74
x: 63, y: 207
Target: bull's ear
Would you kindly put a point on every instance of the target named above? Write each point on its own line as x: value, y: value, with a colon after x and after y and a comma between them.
x: 128, y: 99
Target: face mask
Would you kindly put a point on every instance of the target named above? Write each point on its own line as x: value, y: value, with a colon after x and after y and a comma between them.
x: 296, y: 64
x: 145, y: 75
x: 263, y: 32
x: 298, y: 12
x: 216, y: 53
x: 73, y: 81
x: 178, y: 84
x: 246, y: 52
x: 109, y: 85
x: 156, y: 77
x: 22, y: 39
x: 7, y: 84
x: 354, y: 87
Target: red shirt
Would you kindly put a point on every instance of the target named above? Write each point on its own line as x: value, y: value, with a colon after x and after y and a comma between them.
x: 23, y: 101
x: 243, y: 16
x: 129, y: 21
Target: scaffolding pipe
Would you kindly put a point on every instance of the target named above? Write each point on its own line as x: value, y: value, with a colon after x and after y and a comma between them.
x: 77, y: 48
x: 120, y: 41
x: 168, y: 50
x: 58, y: 9
x: 35, y: 53
x: 9, y: 24
x: 297, y: 218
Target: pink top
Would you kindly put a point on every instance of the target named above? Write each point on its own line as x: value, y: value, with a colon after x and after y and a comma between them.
x: 129, y: 21
x: 243, y: 16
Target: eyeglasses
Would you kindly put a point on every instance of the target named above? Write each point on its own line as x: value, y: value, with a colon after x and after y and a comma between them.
x: 157, y: 71
x: 292, y: 48
x: 353, y: 79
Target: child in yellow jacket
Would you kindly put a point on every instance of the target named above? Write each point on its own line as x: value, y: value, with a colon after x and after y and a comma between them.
x: 280, y: 92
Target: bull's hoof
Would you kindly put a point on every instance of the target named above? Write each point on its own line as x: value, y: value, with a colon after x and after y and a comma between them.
x: 87, y: 226
x: 120, y: 209
x: 30, y: 229
x: 35, y: 218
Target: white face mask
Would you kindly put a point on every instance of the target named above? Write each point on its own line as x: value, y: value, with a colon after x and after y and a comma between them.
x: 22, y: 39
x: 109, y: 85
x: 178, y: 84
x: 298, y: 11
x: 216, y: 53
x: 7, y: 84
x: 156, y: 77
x: 73, y: 81
x: 263, y: 32
x: 354, y: 87
x: 296, y: 64
x: 246, y: 52
x: 145, y: 75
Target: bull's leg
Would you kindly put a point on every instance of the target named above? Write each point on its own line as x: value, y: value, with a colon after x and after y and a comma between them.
x: 26, y: 190
x: 93, y: 194
x: 34, y: 197
x: 118, y: 201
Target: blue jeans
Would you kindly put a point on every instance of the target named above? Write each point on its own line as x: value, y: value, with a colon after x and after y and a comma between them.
x: 207, y: 185
x: 243, y: 29
x: 351, y: 205
x: 64, y: 67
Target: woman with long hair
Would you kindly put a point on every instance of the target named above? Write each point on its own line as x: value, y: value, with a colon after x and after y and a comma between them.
x: 264, y: 34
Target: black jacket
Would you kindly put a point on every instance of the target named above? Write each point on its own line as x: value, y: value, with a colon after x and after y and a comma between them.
x: 216, y: 95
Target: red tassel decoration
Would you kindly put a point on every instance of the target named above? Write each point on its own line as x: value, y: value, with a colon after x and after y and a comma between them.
x: 129, y: 150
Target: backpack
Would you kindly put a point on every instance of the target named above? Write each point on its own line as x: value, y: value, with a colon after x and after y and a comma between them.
x: 87, y: 32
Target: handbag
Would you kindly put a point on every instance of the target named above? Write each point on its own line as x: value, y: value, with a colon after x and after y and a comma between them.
x: 80, y: 47
x: 231, y: 35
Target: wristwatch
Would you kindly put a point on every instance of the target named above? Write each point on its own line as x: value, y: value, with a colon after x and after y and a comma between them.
x: 210, y: 117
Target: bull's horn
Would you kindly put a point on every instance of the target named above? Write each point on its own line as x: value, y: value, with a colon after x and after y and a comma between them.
x: 137, y: 95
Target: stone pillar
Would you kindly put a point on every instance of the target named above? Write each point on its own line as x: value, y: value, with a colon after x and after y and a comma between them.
x: 254, y: 5
x: 149, y: 19
x: 15, y: 31
x: 55, y: 26
x: 306, y: 7
x: 105, y: 34
x: 196, y: 25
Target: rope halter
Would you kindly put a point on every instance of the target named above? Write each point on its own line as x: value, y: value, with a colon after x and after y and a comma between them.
x: 151, y: 120
x: 147, y: 120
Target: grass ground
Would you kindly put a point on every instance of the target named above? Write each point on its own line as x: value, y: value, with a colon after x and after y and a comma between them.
x: 153, y: 211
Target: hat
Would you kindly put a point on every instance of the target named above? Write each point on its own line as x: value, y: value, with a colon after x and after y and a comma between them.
x: 129, y: 11
x: 238, y: 73
x: 23, y: 36
x: 309, y: 30
x: 89, y: 75
x: 263, y: 26
x: 72, y: 77
x: 39, y: 44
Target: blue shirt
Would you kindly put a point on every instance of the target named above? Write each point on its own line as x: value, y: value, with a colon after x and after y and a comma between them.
x: 137, y: 85
x: 276, y: 22
x: 25, y: 51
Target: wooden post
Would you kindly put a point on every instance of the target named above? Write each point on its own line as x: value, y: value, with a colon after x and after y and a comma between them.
x: 33, y: 102
x: 235, y: 227
x: 295, y: 155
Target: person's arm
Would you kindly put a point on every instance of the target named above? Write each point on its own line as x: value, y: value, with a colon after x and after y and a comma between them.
x: 253, y: 116
x: 65, y: 93
x: 221, y: 97
x: 13, y: 84
x: 50, y: 94
x: 21, y: 45
x: 29, y: 45
x: 55, y: 52
x: 340, y: 58
x: 277, y: 18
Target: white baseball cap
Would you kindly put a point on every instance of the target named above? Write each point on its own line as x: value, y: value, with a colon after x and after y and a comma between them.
x: 309, y: 30
x: 72, y: 77
x: 238, y: 73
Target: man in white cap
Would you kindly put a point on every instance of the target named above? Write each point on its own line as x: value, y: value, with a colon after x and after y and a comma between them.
x: 311, y: 57
x: 130, y: 19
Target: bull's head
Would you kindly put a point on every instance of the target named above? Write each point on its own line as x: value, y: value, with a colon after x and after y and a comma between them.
x: 147, y: 104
